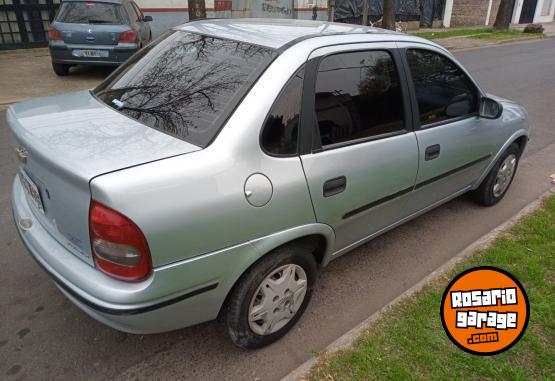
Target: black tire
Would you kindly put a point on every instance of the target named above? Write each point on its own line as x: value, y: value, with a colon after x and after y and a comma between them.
x: 484, y: 194
x: 236, y: 309
x: 60, y: 69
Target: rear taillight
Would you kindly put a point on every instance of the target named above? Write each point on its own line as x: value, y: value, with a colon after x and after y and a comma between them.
x: 54, y: 34
x: 118, y: 245
x: 128, y: 36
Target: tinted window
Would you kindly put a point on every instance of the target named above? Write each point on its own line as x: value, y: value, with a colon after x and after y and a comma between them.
x: 81, y: 12
x: 442, y: 89
x: 281, y: 131
x: 131, y: 12
x: 140, y: 15
x: 358, y: 95
x: 185, y: 84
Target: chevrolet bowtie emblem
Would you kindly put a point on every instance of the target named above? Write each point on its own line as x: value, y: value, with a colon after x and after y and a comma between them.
x: 22, y: 154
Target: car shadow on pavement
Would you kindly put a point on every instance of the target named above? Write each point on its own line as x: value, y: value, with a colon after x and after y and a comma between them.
x: 91, y: 72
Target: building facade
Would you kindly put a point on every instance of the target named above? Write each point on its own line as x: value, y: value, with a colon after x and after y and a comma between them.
x: 168, y: 13
x: 23, y: 23
x: 460, y: 13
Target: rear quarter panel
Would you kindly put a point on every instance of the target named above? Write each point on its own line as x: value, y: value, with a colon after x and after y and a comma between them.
x: 195, y: 203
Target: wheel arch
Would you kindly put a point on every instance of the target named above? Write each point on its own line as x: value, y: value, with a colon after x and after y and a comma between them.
x: 520, y: 137
x: 320, y: 236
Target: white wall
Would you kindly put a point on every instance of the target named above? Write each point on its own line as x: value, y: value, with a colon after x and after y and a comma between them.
x: 542, y: 7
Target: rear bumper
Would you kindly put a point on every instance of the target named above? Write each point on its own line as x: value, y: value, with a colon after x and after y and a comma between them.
x: 174, y: 296
x: 63, y: 53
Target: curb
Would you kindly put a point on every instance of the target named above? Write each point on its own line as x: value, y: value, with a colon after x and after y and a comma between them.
x: 348, y: 339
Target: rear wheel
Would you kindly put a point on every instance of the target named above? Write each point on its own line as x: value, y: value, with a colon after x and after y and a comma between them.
x: 271, y: 297
x: 498, y: 180
x: 60, y: 69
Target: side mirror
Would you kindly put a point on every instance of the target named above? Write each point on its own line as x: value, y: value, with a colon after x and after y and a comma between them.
x: 490, y: 108
x: 147, y: 19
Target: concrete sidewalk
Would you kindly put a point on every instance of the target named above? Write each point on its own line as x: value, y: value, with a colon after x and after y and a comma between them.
x: 465, y: 42
x: 27, y: 73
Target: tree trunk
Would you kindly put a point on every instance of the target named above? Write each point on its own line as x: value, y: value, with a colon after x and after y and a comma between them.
x: 365, y: 7
x: 197, y: 9
x: 388, y: 21
x: 504, y: 14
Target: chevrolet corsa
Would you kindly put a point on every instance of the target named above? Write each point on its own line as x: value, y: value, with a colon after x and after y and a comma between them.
x: 220, y: 167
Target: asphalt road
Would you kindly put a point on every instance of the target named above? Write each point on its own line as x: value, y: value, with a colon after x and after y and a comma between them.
x: 43, y: 336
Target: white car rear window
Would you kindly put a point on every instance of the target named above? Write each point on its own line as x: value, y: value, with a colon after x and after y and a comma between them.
x: 185, y: 84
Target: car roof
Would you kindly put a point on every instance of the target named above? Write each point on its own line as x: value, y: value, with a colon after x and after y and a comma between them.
x: 276, y: 33
x: 96, y: 1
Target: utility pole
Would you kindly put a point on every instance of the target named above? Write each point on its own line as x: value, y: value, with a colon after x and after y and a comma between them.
x: 331, y: 9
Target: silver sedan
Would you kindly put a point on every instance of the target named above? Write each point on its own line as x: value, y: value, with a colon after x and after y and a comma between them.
x: 220, y: 167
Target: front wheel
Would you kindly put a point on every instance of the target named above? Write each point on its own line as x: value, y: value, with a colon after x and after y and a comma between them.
x: 499, y: 179
x: 271, y: 297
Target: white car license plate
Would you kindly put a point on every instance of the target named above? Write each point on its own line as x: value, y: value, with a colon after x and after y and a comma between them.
x: 32, y: 191
x: 90, y: 53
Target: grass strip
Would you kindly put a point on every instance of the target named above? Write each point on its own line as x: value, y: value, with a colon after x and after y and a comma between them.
x: 408, y: 341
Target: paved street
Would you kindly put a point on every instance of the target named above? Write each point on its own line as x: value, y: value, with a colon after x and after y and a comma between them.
x: 43, y: 336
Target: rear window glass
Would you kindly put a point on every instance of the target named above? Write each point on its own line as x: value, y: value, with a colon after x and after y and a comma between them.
x: 80, y: 12
x: 185, y: 84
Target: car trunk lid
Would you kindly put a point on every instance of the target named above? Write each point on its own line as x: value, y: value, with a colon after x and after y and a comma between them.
x: 62, y: 142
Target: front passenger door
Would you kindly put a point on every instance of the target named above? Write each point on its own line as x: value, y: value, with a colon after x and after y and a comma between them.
x: 364, y: 156
x: 455, y: 143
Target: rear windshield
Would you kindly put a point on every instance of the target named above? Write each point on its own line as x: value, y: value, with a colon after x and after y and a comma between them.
x: 80, y: 12
x: 185, y: 84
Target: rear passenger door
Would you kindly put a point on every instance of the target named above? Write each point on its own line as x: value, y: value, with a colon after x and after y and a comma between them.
x: 362, y: 158
x: 455, y: 143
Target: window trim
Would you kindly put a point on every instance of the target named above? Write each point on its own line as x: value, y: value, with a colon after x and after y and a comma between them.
x: 308, y: 143
x: 299, y: 135
x: 361, y: 140
x: 418, y: 126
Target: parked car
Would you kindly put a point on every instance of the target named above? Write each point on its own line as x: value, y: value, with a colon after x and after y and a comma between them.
x: 220, y: 167
x: 90, y: 32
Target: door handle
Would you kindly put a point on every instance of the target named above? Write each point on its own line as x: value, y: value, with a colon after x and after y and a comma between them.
x: 432, y: 152
x: 335, y: 186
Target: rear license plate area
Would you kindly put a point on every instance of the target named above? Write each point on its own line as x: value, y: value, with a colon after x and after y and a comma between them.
x: 32, y: 191
x: 90, y: 53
